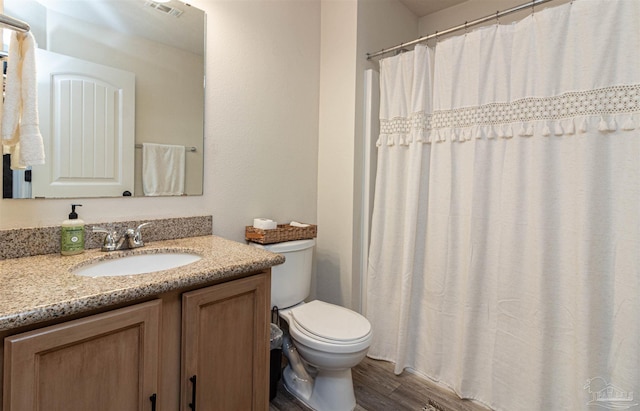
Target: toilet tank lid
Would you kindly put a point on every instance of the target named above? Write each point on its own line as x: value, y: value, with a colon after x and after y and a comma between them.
x: 289, y: 246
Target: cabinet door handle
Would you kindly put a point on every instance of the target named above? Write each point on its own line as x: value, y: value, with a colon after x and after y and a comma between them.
x: 153, y: 402
x: 192, y: 405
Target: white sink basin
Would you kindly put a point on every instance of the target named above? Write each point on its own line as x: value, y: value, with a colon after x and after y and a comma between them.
x: 136, y: 264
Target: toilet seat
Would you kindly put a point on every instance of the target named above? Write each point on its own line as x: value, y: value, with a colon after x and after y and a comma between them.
x: 328, y: 327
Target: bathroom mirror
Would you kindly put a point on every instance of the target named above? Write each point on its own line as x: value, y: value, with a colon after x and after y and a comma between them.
x: 158, y: 48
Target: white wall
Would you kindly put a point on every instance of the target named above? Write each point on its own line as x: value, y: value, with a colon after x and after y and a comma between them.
x: 336, y: 151
x: 262, y: 111
x: 261, y: 126
x: 349, y: 29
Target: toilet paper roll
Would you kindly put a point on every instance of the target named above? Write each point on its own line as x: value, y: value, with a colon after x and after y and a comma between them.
x: 264, y: 223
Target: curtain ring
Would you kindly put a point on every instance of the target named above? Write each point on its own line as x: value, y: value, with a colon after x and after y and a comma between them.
x: 466, y: 29
x: 497, y: 17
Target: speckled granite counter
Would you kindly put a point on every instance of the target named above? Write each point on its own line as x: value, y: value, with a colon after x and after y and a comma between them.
x: 41, y: 288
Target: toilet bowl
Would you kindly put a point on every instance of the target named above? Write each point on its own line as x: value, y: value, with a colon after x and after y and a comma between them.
x: 330, y: 341
x: 326, y: 340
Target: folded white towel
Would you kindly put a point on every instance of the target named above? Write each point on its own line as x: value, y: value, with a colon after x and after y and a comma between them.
x: 20, y: 114
x: 163, y: 169
x: 297, y: 224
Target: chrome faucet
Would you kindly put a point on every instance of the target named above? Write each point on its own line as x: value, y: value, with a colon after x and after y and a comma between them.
x: 130, y: 238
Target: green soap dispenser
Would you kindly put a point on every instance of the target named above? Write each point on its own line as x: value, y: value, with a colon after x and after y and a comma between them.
x: 72, y: 234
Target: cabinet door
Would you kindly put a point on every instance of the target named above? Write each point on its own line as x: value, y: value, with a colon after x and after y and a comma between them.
x: 105, y: 362
x: 225, y: 346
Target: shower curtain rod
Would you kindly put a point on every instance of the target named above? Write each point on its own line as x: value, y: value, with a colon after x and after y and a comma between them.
x: 14, y: 24
x: 466, y: 25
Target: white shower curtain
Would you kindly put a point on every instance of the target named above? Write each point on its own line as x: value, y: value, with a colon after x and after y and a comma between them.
x: 505, y: 245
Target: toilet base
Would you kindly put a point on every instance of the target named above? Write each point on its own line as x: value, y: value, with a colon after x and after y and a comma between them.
x: 332, y: 390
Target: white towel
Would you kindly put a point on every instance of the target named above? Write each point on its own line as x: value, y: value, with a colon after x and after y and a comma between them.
x: 20, y: 129
x: 297, y: 224
x: 163, y: 169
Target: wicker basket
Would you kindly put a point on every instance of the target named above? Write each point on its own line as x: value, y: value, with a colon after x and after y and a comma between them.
x: 283, y: 232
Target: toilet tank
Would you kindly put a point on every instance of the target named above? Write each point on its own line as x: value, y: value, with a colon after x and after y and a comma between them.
x: 291, y: 280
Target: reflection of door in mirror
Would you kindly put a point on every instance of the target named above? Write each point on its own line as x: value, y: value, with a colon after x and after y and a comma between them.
x: 87, y: 122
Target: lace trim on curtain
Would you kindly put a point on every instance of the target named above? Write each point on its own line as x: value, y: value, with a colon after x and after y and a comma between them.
x: 557, y: 115
x: 403, y: 130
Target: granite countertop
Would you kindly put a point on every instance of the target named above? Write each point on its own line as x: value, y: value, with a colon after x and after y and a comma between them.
x: 41, y: 288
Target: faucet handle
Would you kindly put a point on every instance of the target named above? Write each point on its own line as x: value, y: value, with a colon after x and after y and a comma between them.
x: 137, y: 235
x: 109, y: 243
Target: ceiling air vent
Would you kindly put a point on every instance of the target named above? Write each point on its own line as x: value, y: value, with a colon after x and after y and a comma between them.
x: 171, y: 11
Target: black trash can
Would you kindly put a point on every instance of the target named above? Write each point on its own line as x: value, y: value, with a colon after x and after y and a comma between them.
x: 275, y: 366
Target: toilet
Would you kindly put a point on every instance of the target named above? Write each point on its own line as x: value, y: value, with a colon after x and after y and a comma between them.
x: 327, y: 340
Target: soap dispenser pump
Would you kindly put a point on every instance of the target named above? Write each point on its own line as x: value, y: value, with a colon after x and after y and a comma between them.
x: 72, y: 233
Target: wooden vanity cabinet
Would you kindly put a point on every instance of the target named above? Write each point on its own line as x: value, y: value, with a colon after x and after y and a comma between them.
x: 117, y: 360
x: 103, y: 362
x: 225, y: 346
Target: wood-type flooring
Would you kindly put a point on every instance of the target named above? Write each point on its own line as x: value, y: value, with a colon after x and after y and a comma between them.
x: 377, y: 388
